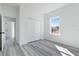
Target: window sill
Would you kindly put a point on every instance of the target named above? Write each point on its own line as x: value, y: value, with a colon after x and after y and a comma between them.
x: 55, y: 34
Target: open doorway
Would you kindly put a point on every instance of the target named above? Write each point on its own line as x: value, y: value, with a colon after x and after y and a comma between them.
x: 10, y: 30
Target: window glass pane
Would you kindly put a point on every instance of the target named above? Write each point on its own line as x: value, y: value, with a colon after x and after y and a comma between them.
x: 55, y: 21
x: 55, y: 24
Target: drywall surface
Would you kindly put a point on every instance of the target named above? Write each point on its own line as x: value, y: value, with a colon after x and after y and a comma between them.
x: 0, y: 9
x: 69, y: 28
x: 31, y: 13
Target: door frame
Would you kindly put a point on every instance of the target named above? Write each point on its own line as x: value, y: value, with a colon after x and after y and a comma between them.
x: 12, y: 20
x: 1, y: 32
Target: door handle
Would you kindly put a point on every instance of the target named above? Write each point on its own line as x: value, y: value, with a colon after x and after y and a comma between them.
x: 2, y: 32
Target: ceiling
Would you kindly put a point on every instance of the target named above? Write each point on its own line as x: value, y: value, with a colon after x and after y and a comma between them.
x: 12, y: 4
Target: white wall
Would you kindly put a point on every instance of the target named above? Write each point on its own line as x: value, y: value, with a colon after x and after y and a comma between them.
x: 13, y: 12
x: 10, y: 11
x: 34, y: 12
x: 0, y: 9
x: 69, y: 29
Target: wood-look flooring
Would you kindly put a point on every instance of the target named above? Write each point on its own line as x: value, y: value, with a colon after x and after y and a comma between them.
x: 35, y: 48
x: 11, y: 48
x: 46, y: 48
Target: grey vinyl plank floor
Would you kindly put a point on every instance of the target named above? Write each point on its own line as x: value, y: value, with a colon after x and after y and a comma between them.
x: 12, y: 49
x: 40, y: 49
x: 74, y: 50
x: 35, y: 48
x: 31, y: 51
x: 47, y: 48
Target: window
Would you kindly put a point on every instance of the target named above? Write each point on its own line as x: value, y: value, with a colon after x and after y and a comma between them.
x: 55, y: 25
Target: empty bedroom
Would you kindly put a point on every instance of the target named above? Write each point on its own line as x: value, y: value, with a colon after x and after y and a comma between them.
x: 39, y: 29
